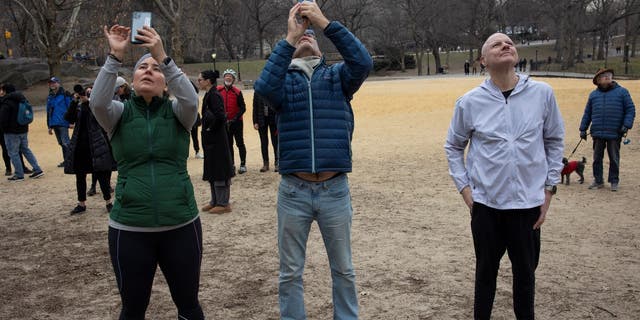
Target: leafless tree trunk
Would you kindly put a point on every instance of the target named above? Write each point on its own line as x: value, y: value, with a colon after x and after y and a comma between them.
x: 54, y: 24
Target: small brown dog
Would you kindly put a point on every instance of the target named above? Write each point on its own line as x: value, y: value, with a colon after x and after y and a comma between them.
x: 571, y: 166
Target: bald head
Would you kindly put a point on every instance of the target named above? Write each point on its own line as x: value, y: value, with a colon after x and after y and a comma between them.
x: 499, y: 50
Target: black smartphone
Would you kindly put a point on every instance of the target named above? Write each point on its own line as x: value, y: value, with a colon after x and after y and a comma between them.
x: 138, y: 20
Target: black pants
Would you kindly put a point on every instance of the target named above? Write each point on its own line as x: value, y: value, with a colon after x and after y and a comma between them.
x: 103, y: 178
x: 94, y: 179
x: 495, y: 231
x: 236, y: 132
x: 268, y: 129
x: 194, y: 137
x: 135, y: 257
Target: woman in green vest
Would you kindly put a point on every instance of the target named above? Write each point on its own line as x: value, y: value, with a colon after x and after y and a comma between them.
x: 154, y: 220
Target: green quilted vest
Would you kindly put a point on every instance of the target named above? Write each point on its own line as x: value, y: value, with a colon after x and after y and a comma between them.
x: 151, y: 147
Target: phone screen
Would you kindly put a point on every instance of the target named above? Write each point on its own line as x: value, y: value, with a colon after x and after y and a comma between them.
x: 138, y: 20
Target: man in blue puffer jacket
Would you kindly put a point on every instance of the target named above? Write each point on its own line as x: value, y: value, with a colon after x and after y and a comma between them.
x: 315, y: 127
x: 57, y: 104
x: 610, y: 112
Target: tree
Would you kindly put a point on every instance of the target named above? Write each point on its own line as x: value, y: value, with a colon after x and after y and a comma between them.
x: 173, y: 12
x: 264, y: 13
x: 54, y: 23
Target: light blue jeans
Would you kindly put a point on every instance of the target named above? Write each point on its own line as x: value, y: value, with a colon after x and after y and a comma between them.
x: 329, y: 203
x: 16, y: 143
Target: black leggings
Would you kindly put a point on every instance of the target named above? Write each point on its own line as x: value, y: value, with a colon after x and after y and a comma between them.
x: 236, y: 132
x: 268, y: 128
x: 135, y: 256
x: 194, y: 137
x: 103, y: 178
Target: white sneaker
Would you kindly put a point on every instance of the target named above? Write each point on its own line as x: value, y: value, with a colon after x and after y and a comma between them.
x: 199, y: 155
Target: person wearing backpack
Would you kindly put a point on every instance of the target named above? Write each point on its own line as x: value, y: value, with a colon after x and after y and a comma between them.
x: 15, y: 134
x: 5, y: 153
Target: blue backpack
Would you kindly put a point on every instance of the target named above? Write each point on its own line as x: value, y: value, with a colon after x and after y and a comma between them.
x: 25, y: 113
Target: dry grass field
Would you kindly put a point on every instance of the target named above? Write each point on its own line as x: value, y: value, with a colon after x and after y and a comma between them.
x: 412, y: 242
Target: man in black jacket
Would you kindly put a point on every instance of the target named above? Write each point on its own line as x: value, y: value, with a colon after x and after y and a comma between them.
x: 15, y: 134
x: 264, y: 120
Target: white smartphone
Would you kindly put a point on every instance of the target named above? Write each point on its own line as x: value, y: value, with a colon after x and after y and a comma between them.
x: 139, y: 19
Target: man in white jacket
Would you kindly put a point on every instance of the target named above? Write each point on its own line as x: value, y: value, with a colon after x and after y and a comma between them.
x: 515, y: 134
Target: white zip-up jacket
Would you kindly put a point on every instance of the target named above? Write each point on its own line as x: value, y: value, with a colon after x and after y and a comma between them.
x: 515, y: 144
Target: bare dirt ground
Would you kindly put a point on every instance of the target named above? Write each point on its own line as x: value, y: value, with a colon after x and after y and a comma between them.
x: 412, y: 243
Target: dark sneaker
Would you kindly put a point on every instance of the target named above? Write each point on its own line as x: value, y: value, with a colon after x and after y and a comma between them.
x: 92, y: 191
x: 78, y: 210
x: 109, y: 207
x: 16, y: 179
x: 8, y: 173
x: 27, y: 171
x: 596, y: 185
x: 36, y: 174
x: 61, y: 165
x: 614, y: 187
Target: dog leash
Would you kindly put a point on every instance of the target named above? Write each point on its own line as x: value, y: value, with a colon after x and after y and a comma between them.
x: 574, y: 149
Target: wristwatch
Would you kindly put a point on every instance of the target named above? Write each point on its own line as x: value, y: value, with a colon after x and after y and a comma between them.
x: 166, y: 61
x: 553, y: 189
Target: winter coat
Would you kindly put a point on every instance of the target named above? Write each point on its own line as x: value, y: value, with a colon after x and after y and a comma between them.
x: 57, y: 105
x: 217, y: 157
x: 260, y: 107
x: 151, y: 147
x: 89, y: 146
x: 315, y: 119
x: 9, y: 114
x: 234, y: 104
x: 607, y: 111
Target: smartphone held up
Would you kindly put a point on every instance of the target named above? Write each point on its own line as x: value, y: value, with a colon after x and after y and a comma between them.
x: 299, y: 18
x: 139, y: 19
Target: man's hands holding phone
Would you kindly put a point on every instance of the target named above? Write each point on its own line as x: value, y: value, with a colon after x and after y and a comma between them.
x: 309, y: 14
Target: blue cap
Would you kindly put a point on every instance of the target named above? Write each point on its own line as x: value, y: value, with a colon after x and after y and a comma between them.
x: 54, y: 79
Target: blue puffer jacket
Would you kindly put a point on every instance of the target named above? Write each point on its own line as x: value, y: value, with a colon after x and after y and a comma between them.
x: 57, y: 105
x: 607, y: 112
x: 315, y: 120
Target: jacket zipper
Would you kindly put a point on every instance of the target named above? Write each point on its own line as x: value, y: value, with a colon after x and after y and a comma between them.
x: 313, y: 144
x: 152, y: 168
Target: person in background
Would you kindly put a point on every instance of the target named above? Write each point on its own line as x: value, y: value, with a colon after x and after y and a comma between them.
x: 89, y: 150
x: 235, y: 107
x: 264, y: 120
x: 58, y: 102
x: 120, y: 95
x: 218, y: 168
x: 5, y: 153
x: 16, y: 134
x: 194, y: 131
x: 154, y: 220
x: 609, y: 113
x: 314, y: 152
x: 514, y: 130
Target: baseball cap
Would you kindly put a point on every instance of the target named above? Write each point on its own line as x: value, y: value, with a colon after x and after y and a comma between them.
x: 54, y: 79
